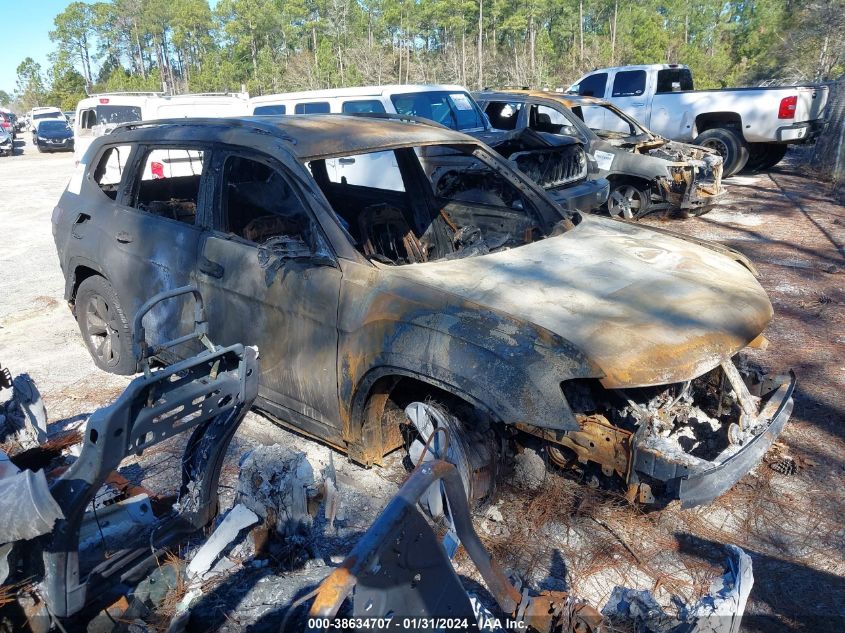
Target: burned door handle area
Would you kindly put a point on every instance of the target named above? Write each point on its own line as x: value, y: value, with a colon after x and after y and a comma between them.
x: 210, y: 268
x: 123, y: 237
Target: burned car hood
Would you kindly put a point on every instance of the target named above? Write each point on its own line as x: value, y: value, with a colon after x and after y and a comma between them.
x: 646, y: 308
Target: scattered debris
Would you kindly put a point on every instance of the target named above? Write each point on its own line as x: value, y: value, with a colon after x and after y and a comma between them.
x: 720, y: 611
x: 23, y: 418
x: 529, y: 470
x: 276, y: 483
x: 226, y: 532
x: 27, y: 509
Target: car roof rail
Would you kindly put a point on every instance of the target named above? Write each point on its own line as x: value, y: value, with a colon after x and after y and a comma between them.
x: 240, y: 122
x: 394, y: 116
x: 125, y: 93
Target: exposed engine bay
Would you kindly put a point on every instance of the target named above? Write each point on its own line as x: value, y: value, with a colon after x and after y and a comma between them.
x: 654, y: 437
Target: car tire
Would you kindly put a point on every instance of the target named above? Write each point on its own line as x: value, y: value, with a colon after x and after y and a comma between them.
x: 628, y: 200
x: 104, y: 327
x: 730, y: 146
x: 763, y: 156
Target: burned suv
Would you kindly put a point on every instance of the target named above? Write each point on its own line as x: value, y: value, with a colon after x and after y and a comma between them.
x: 449, y: 279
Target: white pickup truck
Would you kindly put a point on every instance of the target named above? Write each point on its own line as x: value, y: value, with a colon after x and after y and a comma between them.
x: 749, y: 127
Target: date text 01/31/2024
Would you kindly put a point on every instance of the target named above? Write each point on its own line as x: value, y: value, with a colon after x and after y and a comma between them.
x: 491, y: 623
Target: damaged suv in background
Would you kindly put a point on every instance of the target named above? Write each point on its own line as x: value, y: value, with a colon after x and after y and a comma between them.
x: 646, y: 172
x: 458, y: 285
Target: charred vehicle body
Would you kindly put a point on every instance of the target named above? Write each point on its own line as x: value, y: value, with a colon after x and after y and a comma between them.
x: 466, y: 286
x: 647, y: 172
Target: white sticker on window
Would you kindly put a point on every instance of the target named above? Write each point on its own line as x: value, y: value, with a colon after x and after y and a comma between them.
x: 461, y: 101
x: 604, y: 160
x: 74, y: 185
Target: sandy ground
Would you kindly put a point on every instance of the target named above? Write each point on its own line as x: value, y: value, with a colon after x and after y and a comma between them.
x: 563, y: 535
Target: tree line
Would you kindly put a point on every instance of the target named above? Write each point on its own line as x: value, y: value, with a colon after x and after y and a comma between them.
x: 268, y: 46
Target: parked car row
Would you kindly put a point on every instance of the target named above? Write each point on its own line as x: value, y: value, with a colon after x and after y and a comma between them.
x: 51, y: 130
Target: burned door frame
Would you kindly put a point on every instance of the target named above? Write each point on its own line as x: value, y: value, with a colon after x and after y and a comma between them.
x: 155, y: 253
x: 297, y: 354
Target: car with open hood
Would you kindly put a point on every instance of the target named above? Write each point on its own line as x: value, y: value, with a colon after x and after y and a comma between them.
x: 457, y: 283
x: 646, y: 172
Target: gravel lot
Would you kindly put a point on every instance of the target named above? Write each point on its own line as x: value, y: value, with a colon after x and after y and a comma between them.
x: 792, y: 525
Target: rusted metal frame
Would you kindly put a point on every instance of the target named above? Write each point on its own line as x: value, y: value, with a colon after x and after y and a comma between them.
x: 342, y: 580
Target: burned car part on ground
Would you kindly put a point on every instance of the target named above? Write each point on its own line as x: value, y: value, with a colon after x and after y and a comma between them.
x: 398, y: 573
x: 647, y: 173
x: 433, y: 270
x: 400, y: 577
x: 206, y: 395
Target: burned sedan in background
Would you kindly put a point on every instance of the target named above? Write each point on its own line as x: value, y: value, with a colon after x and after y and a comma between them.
x: 646, y: 172
x: 452, y: 280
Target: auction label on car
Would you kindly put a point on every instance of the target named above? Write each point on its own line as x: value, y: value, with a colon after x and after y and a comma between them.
x: 604, y: 160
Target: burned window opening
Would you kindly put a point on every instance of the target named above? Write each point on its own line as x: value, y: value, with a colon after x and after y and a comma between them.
x: 109, y: 170
x: 451, y: 204
x: 169, y: 183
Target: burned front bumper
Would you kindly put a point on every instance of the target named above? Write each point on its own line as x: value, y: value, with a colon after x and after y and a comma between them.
x: 696, y: 481
x: 692, y: 188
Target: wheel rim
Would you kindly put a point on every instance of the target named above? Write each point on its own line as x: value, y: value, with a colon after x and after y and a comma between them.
x: 720, y: 146
x: 625, y: 201
x: 102, y: 334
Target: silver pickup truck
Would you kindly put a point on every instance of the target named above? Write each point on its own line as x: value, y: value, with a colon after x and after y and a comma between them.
x: 749, y: 127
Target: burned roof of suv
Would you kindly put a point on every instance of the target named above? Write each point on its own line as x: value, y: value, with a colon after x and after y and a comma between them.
x: 315, y: 136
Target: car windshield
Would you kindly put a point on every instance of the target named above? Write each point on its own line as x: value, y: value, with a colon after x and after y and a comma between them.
x: 608, y: 122
x: 46, y: 115
x: 53, y: 126
x: 454, y: 109
x: 421, y: 204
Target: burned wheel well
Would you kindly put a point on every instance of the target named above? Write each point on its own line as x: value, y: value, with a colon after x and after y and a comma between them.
x: 383, y: 410
x: 80, y: 274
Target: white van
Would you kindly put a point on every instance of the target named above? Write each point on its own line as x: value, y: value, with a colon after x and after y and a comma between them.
x: 43, y: 114
x: 448, y: 105
x: 98, y: 114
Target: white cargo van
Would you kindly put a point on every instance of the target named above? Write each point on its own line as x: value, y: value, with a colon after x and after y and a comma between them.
x: 98, y: 114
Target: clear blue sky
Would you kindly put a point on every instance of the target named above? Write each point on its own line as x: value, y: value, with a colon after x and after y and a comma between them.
x: 25, y: 34
x: 27, y: 24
